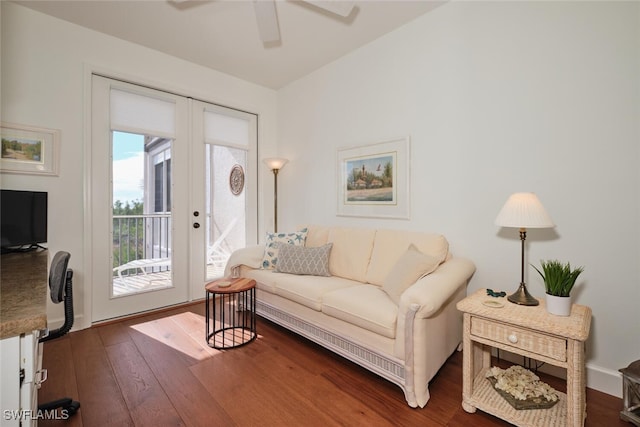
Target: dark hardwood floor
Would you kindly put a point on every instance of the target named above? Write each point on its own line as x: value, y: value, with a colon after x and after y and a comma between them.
x: 157, y: 370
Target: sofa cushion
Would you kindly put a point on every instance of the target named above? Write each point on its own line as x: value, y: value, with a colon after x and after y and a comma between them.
x: 412, y: 265
x: 270, y: 258
x: 308, y: 290
x: 301, y: 260
x: 390, y: 245
x: 316, y: 236
x: 264, y: 278
x: 351, y: 252
x: 366, y: 306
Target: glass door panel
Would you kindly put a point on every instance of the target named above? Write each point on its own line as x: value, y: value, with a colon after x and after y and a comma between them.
x: 141, y: 171
x: 226, y: 205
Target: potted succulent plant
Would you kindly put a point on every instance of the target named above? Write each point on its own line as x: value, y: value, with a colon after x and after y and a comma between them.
x: 559, y: 279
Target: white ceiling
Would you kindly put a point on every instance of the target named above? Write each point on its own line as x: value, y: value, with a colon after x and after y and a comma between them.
x: 223, y: 34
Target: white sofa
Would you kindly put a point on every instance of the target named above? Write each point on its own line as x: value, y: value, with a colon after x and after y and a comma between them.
x: 351, y: 313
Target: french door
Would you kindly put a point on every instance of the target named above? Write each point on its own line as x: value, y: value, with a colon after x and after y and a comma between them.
x: 225, y: 144
x: 171, y: 195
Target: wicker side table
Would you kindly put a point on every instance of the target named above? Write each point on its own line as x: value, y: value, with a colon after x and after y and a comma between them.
x: 230, y: 312
x: 531, y: 332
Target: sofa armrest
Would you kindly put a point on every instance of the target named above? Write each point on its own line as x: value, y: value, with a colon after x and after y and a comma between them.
x: 251, y: 256
x: 433, y: 290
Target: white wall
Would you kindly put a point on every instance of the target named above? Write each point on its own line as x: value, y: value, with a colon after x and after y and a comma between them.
x: 497, y: 98
x: 44, y: 66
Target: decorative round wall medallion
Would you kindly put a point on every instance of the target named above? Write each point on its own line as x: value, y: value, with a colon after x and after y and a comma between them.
x: 236, y: 179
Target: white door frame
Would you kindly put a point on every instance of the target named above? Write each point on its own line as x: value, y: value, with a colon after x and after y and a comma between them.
x: 101, y: 250
x: 85, y: 319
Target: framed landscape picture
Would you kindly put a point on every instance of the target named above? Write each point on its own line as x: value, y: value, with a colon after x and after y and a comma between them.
x: 29, y: 149
x: 373, y: 180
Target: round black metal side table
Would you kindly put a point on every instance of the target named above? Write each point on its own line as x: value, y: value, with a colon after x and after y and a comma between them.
x: 230, y: 312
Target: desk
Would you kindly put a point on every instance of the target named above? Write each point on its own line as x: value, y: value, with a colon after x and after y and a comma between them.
x: 23, y: 315
x: 531, y: 332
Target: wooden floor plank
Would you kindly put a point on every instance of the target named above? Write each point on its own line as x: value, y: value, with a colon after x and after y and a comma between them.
x: 170, y: 366
x: 263, y: 396
x: 147, y: 402
x: 113, y: 333
x: 166, y: 331
x: 61, y: 381
x: 98, y: 391
x: 304, y: 368
x: 193, y: 323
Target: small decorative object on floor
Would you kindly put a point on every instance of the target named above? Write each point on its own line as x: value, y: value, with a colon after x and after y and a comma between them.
x: 631, y: 393
x: 522, y: 388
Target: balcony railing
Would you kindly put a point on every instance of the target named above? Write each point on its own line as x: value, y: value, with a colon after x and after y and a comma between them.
x: 141, y: 237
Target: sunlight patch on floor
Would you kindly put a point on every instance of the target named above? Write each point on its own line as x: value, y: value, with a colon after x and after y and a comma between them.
x: 184, y: 332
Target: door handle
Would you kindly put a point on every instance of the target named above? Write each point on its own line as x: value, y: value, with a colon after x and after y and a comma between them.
x: 196, y: 225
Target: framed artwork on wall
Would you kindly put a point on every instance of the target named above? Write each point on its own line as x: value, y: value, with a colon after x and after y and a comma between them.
x: 29, y: 149
x: 373, y: 180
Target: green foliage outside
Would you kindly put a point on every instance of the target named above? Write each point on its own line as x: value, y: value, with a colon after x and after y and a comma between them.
x: 135, y: 208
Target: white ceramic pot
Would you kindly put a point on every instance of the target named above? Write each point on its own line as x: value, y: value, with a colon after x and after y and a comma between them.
x: 560, y: 306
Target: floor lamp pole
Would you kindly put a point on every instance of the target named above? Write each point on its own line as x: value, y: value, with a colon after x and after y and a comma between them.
x: 275, y: 164
x: 522, y: 296
x: 275, y: 200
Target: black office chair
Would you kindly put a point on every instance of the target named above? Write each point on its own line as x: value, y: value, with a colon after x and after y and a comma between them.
x: 60, y: 284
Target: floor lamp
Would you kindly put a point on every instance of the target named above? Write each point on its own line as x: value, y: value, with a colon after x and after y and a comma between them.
x: 522, y: 211
x: 275, y: 164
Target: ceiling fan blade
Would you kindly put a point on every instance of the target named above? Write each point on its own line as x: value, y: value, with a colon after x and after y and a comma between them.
x: 267, y: 19
x: 338, y: 7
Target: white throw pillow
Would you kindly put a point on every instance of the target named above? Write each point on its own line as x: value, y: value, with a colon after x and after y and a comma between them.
x: 302, y: 260
x: 411, y: 266
x: 270, y: 258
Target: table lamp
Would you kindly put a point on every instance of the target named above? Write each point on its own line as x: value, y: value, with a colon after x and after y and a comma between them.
x: 522, y: 211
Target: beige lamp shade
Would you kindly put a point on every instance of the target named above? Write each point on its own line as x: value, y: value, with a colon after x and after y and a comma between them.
x: 524, y: 210
x: 275, y: 163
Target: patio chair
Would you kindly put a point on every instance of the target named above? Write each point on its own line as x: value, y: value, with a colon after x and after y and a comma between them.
x: 216, y: 254
x: 141, y: 264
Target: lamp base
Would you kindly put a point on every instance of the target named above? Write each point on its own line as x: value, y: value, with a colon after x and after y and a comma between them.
x: 522, y: 297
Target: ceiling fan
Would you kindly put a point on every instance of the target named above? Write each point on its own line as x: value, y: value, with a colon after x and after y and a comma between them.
x: 267, y: 17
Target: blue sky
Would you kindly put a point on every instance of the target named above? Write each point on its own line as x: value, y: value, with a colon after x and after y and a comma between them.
x: 128, y: 166
x: 373, y: 164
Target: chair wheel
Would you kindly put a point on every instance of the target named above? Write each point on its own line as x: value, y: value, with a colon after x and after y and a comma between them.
x: 72, y: 408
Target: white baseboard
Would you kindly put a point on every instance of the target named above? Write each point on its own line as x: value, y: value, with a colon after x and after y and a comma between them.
x: 598, y: 378
x: 604, y: 380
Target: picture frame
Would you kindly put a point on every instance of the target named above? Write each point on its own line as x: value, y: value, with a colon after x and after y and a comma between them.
x: 29, y: 149
x: 374, y: 180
